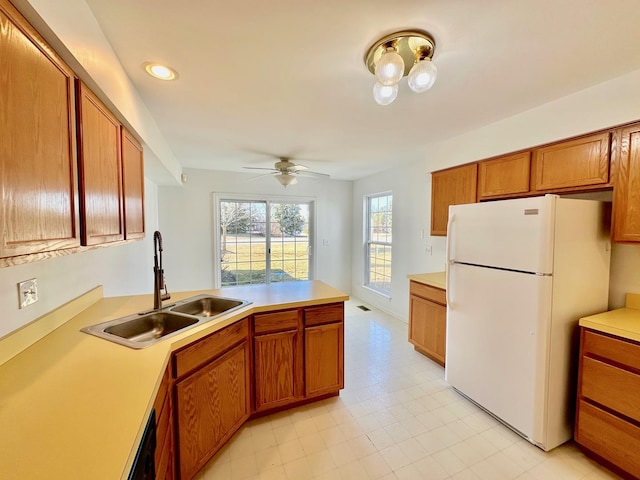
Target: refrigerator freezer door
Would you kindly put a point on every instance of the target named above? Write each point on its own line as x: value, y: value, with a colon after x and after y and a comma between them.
x: 511, y: 234
x: 497, y: 343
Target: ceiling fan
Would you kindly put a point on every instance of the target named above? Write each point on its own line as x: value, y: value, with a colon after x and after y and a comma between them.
x: 286, y: 171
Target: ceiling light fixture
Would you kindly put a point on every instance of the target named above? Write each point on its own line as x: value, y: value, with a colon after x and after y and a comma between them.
x: 160, y: 71
x: 286, y: 179
x: 405, y: 53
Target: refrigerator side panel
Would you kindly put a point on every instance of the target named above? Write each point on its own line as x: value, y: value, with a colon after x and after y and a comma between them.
x: 511, y: 234
x: 497, y: 331
x: 580, y: 288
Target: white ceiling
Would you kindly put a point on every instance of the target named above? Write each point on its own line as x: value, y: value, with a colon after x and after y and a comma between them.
x: 260, y: 79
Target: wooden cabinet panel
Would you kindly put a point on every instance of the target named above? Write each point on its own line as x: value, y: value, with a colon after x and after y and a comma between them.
x: 626, y: 353
x: 504, y: 176
x: 275, y: 321
x: 133, y: 185
x: 324, y: 359
x: 276, y: 370
x: 608, y: 411
x: 575, y: 163
x: 212, y: 404
x: 100, y: 170
x: 164, y: 428
x: 427, y: 327
x: 202, y: 351
x: 626, y: 190
x: 38, y: 173
x: 453, y: 186
x: 324, y: 314
x: 428, y: 292
x: 608, y: 436
x: 612, y: 387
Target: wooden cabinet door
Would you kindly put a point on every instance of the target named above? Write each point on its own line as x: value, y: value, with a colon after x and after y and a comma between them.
x: 504, y: 176
x: 626, y: 190
x: 164, y: 429
x: 582, y: 162
x: 277, y: 367
x: 453, y: 186
x: 427, y: 327
x: 324, y: 359
x: 212, y: 404
x: 38, y: 173
x: 133, y: 186
x: 100, y: 171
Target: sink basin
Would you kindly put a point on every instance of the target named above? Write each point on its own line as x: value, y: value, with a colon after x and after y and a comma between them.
x: 141, y: 330
x: 150, y: 326
x: 207, y: 306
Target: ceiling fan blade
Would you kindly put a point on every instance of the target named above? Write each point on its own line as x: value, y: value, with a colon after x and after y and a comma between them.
x: 309, y: 173
x: 260, y: 168
x: 262, y: 175
x: 298, y: 168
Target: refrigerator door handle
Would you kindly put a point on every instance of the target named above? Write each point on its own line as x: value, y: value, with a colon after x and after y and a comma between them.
x: 448, y: 263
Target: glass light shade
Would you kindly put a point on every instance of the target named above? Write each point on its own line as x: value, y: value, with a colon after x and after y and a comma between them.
x: 422, y: 75
x: 385, y: 94
x: 390, y: 68
x: 286, y: 179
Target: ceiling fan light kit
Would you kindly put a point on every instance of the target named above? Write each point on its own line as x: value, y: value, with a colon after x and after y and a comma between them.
x: 405, y: 53
x: 285, y: 171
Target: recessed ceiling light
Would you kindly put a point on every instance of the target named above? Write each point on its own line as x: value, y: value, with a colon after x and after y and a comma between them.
x: 160, y: 71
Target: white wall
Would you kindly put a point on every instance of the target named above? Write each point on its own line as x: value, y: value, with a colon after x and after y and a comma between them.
x: 607, y: 104
x: 122, y: 270
x: 186, y: 221
x: 410, y: 186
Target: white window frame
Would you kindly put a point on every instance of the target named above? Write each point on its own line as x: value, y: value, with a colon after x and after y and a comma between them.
x: 217, y: 197
x: 368, y: 242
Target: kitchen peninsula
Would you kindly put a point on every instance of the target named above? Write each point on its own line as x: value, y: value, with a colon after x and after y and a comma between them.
x: 75, y: 406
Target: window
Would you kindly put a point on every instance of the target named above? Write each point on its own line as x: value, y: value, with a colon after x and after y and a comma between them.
x: 378, y: 242
x: 263, y: 241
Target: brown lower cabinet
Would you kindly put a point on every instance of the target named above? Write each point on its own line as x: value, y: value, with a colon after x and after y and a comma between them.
x: 267, y: 362
x: 428, y: 320
x: 608, y: 409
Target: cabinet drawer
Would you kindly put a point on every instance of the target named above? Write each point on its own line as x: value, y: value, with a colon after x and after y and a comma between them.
x: 611, y: 386
x: 210, y: 347
x: 625, y: 353
x: 609, y: 436
x: 430, y: 293
x: 324, y: 314
x: 275, y: 322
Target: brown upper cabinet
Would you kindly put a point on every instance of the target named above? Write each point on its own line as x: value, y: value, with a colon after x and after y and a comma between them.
x: 452, y: 186
x: 100, y: 162
x: 38, y: 173
x: 626, y: 190
x: 581, y: 162
x: 504, y: 176
x: 133, y: 185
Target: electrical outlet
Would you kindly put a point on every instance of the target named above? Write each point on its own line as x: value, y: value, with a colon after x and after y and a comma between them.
x: 28, y: 292
x: 429, y: 250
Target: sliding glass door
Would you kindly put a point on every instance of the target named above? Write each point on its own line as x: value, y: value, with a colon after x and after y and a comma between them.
x: 264, y: 241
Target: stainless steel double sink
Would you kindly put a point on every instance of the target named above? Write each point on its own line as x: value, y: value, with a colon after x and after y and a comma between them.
x: 144, y: 329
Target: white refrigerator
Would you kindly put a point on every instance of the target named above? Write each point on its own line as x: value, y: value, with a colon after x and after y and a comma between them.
x: 520, y: 273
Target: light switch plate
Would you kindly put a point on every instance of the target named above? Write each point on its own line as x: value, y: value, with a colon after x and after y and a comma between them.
x: 28, y: 292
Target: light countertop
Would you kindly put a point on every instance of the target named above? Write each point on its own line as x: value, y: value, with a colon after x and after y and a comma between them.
x: 622, y: 322
x: 436, y: 279
x: 74, y: 406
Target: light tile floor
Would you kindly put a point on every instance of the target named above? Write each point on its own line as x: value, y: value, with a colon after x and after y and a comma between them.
x: 396, y: 419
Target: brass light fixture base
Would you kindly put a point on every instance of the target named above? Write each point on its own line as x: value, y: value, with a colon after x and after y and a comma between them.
x: 409, y: 44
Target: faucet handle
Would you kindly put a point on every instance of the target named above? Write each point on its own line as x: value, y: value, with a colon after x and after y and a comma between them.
x: 166, y: 295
